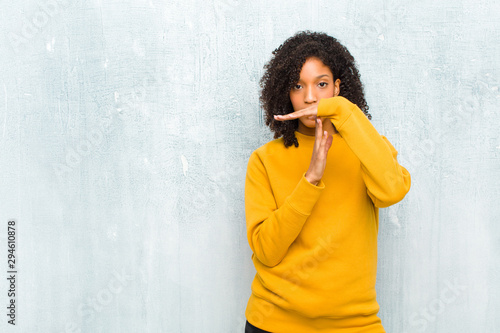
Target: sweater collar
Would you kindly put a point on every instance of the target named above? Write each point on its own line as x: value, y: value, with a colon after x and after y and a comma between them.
x: 310, y: 138
x: 304, y: 138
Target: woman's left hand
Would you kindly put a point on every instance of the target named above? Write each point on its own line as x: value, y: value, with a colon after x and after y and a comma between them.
x: 311, y: 112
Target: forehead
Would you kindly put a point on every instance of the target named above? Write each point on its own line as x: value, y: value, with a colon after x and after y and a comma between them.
x: 314, y: 67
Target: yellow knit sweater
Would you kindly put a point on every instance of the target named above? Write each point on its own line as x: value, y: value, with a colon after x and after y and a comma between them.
x: 315, y: 247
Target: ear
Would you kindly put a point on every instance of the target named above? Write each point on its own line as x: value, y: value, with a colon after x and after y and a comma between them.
x: 336, y: 90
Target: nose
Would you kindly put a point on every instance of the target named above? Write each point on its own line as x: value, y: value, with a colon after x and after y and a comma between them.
x: 310, y: 95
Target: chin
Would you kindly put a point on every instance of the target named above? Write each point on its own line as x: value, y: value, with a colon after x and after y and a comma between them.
x: 309, y: 123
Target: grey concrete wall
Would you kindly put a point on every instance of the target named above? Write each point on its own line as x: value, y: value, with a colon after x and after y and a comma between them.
x: 125, y: 128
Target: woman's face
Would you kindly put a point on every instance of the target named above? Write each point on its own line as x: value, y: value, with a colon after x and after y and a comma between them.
x: 315, y: 83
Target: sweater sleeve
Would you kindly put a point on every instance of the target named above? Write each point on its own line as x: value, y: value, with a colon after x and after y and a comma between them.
x: 387, y: 182
x: 272, y: 229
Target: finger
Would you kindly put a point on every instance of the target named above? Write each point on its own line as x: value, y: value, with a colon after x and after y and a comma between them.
x: 318, y: 134
x: 324, y: 137
x: 309, y: 111
x: 290, y: 116
x: 328, y: 144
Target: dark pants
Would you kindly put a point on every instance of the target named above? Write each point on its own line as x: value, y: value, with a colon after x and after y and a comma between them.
x: 249, y: 328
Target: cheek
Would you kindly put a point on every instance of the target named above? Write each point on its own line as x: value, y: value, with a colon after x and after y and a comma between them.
x: 295, y: 102
x: 327, y: 93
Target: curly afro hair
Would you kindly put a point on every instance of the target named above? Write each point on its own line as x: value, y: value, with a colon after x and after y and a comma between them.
x: 282, y: 72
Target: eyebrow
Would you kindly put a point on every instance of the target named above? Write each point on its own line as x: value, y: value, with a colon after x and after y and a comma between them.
x: 319, y: 77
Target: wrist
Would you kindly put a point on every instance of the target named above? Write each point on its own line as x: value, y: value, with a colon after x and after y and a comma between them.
x: 311, y: 180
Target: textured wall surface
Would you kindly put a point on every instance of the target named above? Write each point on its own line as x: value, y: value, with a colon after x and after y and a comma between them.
x: 125, y: 129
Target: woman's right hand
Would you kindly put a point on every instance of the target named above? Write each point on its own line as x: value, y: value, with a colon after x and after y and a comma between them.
x: 322, y: 144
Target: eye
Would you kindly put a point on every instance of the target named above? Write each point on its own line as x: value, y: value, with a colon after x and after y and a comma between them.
x: 297, y: 87
x: 323, y: 84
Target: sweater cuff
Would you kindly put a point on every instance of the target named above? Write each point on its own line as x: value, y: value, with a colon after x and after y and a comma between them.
x: 305, y: 195
x: 337, y: 108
